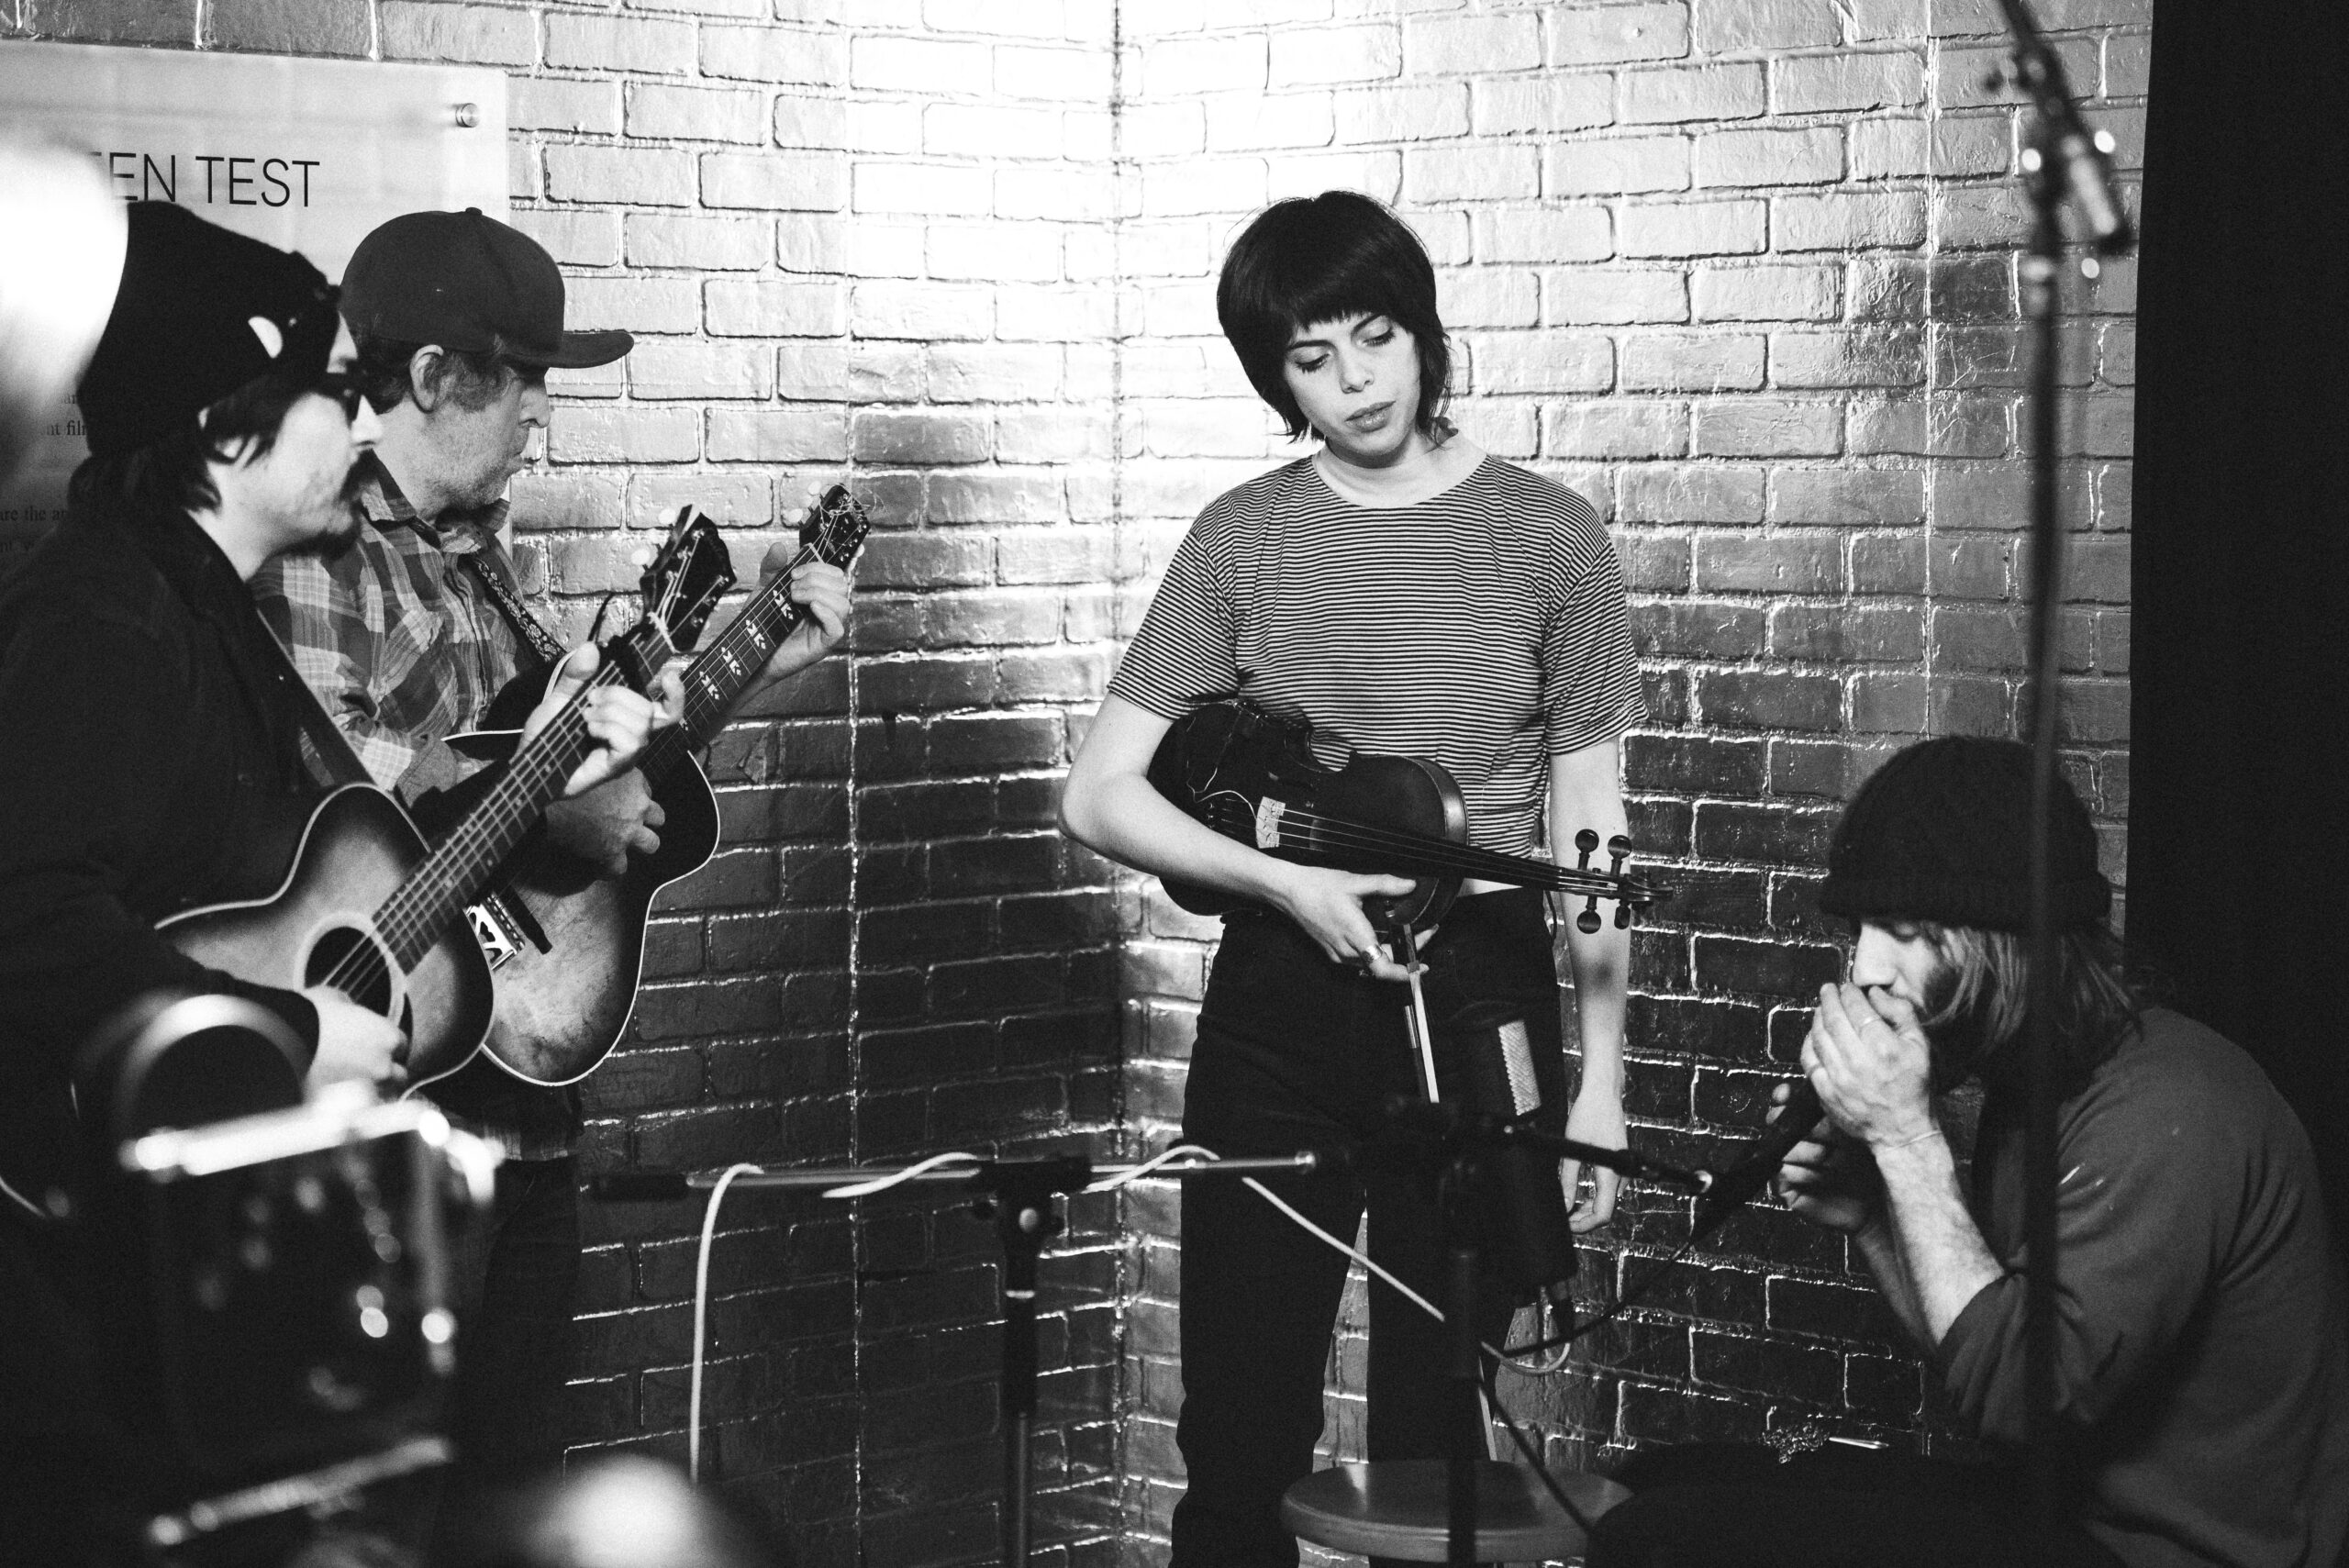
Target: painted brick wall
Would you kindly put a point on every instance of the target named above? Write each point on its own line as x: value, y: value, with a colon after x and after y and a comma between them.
x: 1743, y: 272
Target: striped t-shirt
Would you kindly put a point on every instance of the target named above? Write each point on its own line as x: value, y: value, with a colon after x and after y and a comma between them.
x: 1484, y: 627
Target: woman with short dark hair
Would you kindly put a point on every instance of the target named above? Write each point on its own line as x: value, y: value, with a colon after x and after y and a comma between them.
x: 1406, y: 594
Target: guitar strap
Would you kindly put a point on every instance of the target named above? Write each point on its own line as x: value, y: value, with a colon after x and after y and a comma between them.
x: 524, y: 625
x: 339, y: 762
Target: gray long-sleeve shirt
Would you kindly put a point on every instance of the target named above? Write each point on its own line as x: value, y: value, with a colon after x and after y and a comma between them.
x: 2203, y: 1360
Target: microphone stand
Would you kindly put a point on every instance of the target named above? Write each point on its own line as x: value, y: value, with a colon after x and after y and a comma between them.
x: 1442, y: 1140
x: 1019, y: 1196
x: 2060, y: 158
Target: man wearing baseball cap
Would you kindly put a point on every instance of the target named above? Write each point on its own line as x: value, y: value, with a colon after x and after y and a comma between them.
x: 413, y: 635
x: 2201, y: 1365
x: 156, y: 760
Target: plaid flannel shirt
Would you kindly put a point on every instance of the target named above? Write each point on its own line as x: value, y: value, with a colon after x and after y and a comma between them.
x: 397, y: 638
x: 403, y: 647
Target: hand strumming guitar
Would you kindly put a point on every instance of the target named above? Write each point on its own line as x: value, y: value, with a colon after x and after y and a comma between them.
x: 618, y: 720
x: 354, y: 1042
x: 606, y: 824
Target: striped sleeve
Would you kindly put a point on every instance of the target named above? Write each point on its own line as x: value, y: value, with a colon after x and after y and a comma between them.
x: 1590, y: 680
x: 1187, y: 650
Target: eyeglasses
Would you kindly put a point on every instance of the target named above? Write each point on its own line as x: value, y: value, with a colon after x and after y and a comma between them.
x: 344, y: 388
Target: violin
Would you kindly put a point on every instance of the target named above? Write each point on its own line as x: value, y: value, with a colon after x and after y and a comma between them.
x: 1253, y: 776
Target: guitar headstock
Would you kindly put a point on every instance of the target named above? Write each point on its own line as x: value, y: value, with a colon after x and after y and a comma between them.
x: 835, y: 526
x: 686, y: 578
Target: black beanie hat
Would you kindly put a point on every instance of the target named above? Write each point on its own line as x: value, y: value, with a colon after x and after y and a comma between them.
x: 1942, y: 833
x: 181, y: 334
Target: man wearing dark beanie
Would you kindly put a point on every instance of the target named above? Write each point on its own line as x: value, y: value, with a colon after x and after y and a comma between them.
x: 2202, y: 1340
x: 156, y: 760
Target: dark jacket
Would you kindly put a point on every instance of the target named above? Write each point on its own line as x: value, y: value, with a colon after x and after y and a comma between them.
x: 150, y: 762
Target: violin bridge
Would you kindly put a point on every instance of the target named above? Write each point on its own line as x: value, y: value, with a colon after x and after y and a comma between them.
x: 1268, y: 823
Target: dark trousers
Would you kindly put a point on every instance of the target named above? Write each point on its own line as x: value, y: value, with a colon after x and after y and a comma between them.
x: 515, y: 1271
x: 1735, y: 1506
x: 1297, y: 1052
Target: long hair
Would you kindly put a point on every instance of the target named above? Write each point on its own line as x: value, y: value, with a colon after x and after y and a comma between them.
x: 1313, y: 258
x: 173, y: 472
x: 1987, y: 1002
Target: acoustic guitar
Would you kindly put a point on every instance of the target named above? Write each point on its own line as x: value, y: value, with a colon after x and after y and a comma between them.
x: 372, y: 910
x: 1253, y: 776
x: 568, y: 947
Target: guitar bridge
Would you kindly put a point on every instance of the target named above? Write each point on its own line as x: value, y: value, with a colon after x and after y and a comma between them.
x: 502, y: 925
x: 1268, y: 822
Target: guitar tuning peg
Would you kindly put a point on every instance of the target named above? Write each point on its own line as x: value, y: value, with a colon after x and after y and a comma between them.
x: 1585, y: 840
x: 1623, y: 915
x: 1619, y: 850
x: 1587, y: 921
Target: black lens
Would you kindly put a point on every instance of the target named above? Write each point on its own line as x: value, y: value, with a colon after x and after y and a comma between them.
x: 344, y: 388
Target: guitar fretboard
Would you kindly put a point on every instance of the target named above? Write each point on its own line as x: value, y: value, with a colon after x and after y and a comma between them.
x: 464, y: 862
x: 718, y: 675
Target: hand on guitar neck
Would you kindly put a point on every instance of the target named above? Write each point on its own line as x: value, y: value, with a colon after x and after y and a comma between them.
x: 605, y: 826
x: 816, y: 586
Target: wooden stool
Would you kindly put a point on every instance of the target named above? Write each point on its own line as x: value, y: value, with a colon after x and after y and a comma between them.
x: 1396, y: 1508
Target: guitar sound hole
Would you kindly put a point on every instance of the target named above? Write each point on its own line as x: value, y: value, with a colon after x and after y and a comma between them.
x: 351, y: 961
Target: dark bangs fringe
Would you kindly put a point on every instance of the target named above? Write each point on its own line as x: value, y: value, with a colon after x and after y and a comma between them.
x: 1310, y: 260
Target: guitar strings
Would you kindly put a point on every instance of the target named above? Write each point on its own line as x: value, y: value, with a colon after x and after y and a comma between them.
x: 509, y: 805
x: 397, y: 922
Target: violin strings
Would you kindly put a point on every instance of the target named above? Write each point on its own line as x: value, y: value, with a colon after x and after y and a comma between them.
x: 1340, y: 833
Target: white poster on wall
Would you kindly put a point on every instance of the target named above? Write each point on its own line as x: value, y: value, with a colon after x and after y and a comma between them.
x: 307, y: 154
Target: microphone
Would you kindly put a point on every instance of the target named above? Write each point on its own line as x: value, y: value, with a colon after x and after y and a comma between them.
x: 1735, y: 1186
x: 2083, y: 160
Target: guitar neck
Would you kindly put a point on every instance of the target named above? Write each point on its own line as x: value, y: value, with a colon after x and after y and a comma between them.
x: 467, y: 860
x: 715, y: 680
x: 1401, y: 853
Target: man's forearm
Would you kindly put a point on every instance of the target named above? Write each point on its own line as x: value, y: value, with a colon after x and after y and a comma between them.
x: 1880, y: 1250
x: 1939, y: 1251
